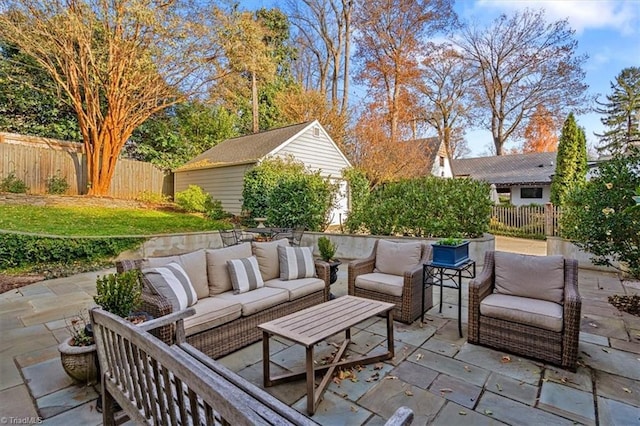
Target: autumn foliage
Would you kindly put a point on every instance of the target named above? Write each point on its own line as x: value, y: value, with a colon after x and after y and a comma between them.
x: 541, y: 133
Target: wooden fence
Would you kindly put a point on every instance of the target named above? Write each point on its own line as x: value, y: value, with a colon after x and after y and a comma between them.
x: 35, y: 160
x: 526, y: 221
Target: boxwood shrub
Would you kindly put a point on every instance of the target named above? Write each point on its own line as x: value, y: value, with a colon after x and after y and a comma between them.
x: 425, y: 207
x: 20, y: 250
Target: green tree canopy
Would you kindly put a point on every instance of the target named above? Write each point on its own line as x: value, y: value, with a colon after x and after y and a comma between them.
x: 30, y: 102
x: 571, y: 161
x: 621, y: 112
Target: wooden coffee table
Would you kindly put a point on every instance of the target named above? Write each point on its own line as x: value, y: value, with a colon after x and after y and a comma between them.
x: 313, y: 325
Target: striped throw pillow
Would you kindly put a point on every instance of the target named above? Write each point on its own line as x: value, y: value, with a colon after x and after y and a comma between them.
x: 172, y: 282
x: 296, y: 262
x: 245, y: 274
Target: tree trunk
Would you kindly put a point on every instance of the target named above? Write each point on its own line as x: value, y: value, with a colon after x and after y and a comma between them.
x: 254, y: 102
x: 346, y: 8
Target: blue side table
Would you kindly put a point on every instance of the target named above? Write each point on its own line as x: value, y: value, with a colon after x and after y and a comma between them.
x: 434, y: 274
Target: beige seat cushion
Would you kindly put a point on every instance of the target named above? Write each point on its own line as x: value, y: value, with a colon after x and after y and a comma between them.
x: 257, y: 300
x: 297, y: 288
x: 217, y: 271
x: 211, y: 312
x: 381, y: 283
x: 267, y: 254
x: 194, y: 264
x: 537, y: 277
x: 396, y: 258
x: 522, y: 310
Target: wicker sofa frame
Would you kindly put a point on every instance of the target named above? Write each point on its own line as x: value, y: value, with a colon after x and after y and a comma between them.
x: 409, y: 305
x: 559, y: 348
x: 233, y: 335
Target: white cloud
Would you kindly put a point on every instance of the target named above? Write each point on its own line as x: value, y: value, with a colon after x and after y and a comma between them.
x: 620, y: 15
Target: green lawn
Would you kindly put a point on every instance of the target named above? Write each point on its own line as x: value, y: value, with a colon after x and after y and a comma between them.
x: 100, y: 221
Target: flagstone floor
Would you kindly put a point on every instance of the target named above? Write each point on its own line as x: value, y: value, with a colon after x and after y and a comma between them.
x: 441, y: 377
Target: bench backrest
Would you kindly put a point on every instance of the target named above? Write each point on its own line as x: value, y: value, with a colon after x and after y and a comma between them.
x: 159, y: 384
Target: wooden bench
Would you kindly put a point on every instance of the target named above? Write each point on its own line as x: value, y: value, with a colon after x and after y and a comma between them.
x: 158, y: 384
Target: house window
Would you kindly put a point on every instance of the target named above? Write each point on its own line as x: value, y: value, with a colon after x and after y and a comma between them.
x: 530, y: 192
x: 442, y: 161
x: 316, y: 132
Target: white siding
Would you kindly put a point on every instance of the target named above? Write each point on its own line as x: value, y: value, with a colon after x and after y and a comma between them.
x: 223, y: 183
x: 517, y: 201
x: 317, y: 153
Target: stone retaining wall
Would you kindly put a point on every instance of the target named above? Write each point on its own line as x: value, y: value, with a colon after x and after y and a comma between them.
x: 349, y: 246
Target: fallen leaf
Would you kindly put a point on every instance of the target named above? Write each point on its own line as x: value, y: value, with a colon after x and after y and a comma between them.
x: 391, y: 377
x: 594, y: 325
x: 419, y: 357
x: 446, y: 390
x: 408, y: 392
x: 605, y: 350
x: 467, y: 368
x: 564, y: 380
x: 373, y: 378
x: 462, y: 413
x: 627, y: 390
x: 505, y: 359
x: 378, y: 366
x: 354, y: 409
x: 337, y: 381
x: 488, y: 412
x: 499, y: 387
x: 545, y: 380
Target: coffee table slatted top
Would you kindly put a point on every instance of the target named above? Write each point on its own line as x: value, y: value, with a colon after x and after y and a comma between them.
x: 316, y: 323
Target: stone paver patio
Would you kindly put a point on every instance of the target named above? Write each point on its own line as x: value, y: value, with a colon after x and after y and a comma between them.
x: 441, y: 377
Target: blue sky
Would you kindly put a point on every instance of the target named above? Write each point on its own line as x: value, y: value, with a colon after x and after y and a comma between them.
x: 608, y: 31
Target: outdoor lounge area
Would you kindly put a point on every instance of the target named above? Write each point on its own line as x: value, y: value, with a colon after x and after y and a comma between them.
x: 436, y: 373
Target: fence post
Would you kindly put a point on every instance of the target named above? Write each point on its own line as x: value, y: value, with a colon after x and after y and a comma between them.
x: 548, y: 219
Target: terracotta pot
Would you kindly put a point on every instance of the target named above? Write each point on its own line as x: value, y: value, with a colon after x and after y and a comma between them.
x: 79, y: 362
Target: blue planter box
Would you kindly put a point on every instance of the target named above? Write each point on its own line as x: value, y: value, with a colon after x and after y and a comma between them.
x: 450, y: 255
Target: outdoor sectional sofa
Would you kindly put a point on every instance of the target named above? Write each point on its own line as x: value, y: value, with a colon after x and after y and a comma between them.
x: 226, y: 319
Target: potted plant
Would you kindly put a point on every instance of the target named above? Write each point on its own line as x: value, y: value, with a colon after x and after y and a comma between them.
x: 450, y: 251
x: 78, y: 353
x: 327, y: 250
x: 119, y: 293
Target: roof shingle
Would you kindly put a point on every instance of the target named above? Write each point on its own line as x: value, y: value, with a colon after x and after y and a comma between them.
x: 534, y: 168
x: 244, y: 149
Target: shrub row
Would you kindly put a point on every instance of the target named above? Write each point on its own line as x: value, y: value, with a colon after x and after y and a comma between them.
x: 18, y: 250
x: 425, y: 207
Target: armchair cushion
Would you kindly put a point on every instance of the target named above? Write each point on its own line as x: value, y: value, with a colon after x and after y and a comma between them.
x: 397, y: 258
x: 381, y: 283
x: 523, y: 310
x: 267, y: 254
x: 217, y: 271
x: 535, y: 277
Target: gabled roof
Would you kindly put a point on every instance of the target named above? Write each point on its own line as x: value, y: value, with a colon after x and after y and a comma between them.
x: 534, y: 168
x: 245, y: 149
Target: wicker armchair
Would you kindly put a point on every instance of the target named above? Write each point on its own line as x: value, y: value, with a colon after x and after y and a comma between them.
x: 404, y: 288
x: 527, y: 321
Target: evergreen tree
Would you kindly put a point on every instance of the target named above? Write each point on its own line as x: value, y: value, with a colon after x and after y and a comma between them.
x: 571, y: 162
x: 621, y: 112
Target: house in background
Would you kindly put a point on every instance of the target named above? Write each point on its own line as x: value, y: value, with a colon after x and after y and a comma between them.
x: 435, y: 150
x: 526, y: 178
x: 220, y: 170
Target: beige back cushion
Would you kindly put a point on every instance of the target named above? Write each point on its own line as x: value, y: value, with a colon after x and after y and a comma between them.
x: 267, y: 254
x: 217, y: 271
x: 396, y: 258
x: 194, y: 264
x: 536, y: 277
